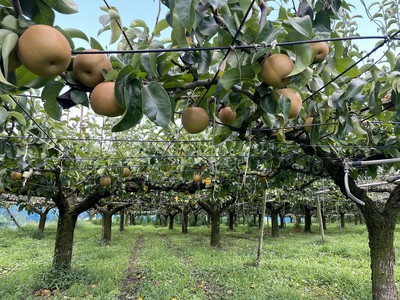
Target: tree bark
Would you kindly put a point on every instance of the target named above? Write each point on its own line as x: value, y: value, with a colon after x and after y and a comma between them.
x: 64, y: 240
x: 274, y: 224
x: 307, y: 218
x: 342, y: 220
x: 185, y: 219
x: 106, y: 226
x: 121, y: 220
x: 381, y: 239
x: 171, y: 218
x: 132, y: 219
x: 282, y: 220
x: 215, y: 228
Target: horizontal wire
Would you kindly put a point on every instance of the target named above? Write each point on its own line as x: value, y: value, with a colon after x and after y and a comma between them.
x: 240, y: 47
x: 103, y: 140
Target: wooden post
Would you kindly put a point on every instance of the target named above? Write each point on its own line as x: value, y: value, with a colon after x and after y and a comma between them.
x: 261, y: 232
x: 321, y: 224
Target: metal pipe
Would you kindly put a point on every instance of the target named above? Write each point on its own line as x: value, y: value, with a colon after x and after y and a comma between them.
x: 346, y: 186
x: 360, y: 163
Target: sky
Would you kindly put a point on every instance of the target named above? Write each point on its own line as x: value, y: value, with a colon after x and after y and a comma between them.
x: 87, y: 19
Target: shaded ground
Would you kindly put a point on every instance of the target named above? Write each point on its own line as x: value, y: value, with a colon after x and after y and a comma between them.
x: 130, y: 284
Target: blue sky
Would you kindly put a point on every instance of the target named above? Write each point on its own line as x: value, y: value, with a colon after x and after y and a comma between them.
x: 87, y: 19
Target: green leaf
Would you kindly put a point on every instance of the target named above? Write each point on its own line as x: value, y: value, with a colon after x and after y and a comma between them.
x: 128, y: 91
x: 322, y: 21
x: 63, y: 6
x: 115, y: 30
x: 8, y: 46
x: 95, y: 44
x: 269, y: 103
x: 186, y: 13
x: 302, y: 25
x: 221, y: 134
x: 76, y: 33
x: 19, y: 117
x: 3, y: 115
x: 269, y: 33
x: 353, y: 89
x: 53, y: 109
x: 156, y: 104
x: 49, y: 95
x: 304, y: 57
x: 217, y: 3
x: 284, y: 105
x: 163, y: 24
x: 178, y: 32
x: 344, y: 63
x: 38, y: 11
x: 79, y: 97
x: 27, y: 79
x: 236, y: 75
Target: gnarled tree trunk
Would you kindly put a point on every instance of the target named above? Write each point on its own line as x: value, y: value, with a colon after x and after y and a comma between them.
x: 64, y: 240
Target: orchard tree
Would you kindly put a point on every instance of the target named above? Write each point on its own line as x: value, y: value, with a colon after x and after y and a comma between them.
x: 250, y: 56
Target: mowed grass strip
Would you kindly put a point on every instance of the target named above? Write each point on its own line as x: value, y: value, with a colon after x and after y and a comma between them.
x: 171, y: 265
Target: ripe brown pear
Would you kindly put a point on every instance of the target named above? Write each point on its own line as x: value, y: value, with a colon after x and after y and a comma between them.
x: 321, y: 51
x: 197, y: 178
x: 88, y: 67
x: 44, y: 50
x: 105, y: 181
x: 295, y: 100
x: 15, y: 175
x: 126, y: 172
x: 195, y: 119
x: 275, y: 68
x: 103, y: 101
x: 226, y: 115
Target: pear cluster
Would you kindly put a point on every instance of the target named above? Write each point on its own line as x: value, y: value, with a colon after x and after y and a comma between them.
x: 46, y: 52
x: 276, y: 70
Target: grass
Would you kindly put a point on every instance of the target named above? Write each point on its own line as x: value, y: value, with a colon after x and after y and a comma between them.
x: 168, y: 264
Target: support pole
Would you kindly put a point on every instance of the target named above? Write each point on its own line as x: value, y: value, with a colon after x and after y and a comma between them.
x: 261, y: 232
x: 321, y: 224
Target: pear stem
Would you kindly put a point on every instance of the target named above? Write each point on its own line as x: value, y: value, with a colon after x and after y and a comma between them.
x: 17, y: 8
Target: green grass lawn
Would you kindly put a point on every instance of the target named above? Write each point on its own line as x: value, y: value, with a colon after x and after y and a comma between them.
x: 168, y: 264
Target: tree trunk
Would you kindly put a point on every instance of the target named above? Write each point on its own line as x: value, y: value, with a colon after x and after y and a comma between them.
x: 342, y: 220
x: 298, y: 221
x: 215, y: 228
x: 42, y: 221
x: 121, y: 220
x: 106, y: 228
x: 231, y: 219
x: 307, y: 218
x: 282, y: 219
x: 185, y: 219
x: 64, y: 240
x: 132, y: 219
x: 171, y: 221
x: 196, y: 218
x: 274, y: 224
x: 381, y: 239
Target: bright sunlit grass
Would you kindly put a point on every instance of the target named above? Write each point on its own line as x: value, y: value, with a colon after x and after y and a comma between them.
x: 172, y: 265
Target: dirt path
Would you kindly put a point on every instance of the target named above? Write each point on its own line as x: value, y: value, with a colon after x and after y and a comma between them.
x: 211, y: 290
x: 130, y: 284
